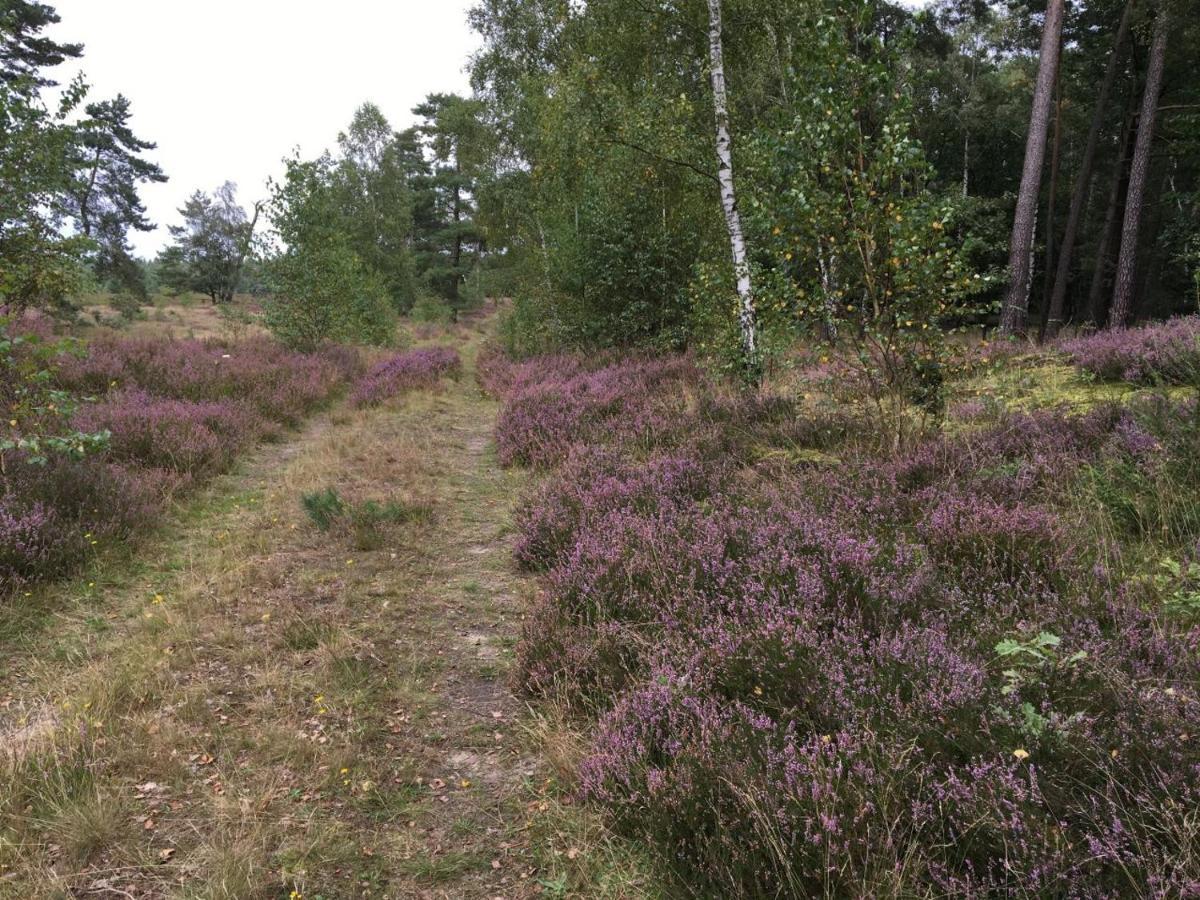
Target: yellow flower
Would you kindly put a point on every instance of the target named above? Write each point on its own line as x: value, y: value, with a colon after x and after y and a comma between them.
x: 1021, y: 754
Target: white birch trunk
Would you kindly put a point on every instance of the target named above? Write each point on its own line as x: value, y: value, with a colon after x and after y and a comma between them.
x: 747, y: 318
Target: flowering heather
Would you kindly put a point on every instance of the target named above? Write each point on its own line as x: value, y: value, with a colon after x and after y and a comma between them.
x: 196, y: 439
x: 52, y: 516
x: 176, y: 412
x: 542, y: 420
x: 281, y: 384
x: 405, y: 372
x: 1165, y: 353
x: 881, y: 676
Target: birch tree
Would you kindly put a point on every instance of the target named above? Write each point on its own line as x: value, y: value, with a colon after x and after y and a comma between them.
x: 1020, y: 256
x: 747, y: 318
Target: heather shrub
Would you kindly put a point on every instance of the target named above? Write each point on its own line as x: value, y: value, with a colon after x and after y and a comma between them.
x: 53, y: 515
x: 405, y: 372
x: 102, y: 436
x: 35, y: 539
x: 198, y: 439
x: 918, y: 675
x: 974, y: 534
x: 631, y: 401
x: 595, y: 483
x: 280, y: 384
x: 1162, y: 353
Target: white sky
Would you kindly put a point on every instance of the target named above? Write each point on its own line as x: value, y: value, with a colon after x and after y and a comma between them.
x: 228, y: 87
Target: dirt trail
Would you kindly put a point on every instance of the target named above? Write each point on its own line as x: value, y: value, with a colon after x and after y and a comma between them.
x: 258, y: 709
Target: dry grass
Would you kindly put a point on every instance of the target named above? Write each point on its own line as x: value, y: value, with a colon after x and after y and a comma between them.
x: 251, y: 707
x: 176, y: 317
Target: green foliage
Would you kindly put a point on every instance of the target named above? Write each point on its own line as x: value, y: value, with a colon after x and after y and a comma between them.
x: 58, y: 169
x: 372, y: 201
x: 1032, y: 661
x: 323, y: 507
x: 103, y: 196
x: 1180, y: 585
x: 128, y: 307
x: 365, y: 521
x: 211, y: 246
x: 448, y: 241
x: 323, y: 289
x: 856, y: 249
x: 324, y: 293
x: 38, y: 415
x: 24, y: 50
x: 432, y: 310
x: 39, y: 266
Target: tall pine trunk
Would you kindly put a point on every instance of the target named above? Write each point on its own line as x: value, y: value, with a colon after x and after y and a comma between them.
x: 1058, y: 296
x: 1122, y: 302
x: 747, y: 318
x: 1055, y: 159
x: 1020, y: 253
x: 1097, y: 308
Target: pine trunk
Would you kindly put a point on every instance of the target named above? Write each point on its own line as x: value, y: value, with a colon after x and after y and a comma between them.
x: 747, y: 319
x: 1055, y: 158
x: 1122, y: 302
x: 1075, y: 214
x: 456, y: 253
x: 1020, y: 254
x: 1113, y: 213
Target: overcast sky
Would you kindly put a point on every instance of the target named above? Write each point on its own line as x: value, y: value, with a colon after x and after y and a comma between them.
x: 228, y: 87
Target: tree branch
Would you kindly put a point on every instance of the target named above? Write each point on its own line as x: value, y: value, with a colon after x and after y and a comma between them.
x: 675, y: 162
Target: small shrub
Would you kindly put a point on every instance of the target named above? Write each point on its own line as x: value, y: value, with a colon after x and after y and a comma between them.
x: 1167, y: 353
x: 365, y: 520
x: 128, y: 307
x: 405, y: 372
x: 324, y: 508
x: 430, y: 310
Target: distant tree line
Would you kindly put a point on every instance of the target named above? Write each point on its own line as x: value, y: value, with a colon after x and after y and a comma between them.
x: 1018, y: 163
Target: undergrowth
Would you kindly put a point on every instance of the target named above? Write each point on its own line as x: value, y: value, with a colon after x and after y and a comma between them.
x: 967, y: 668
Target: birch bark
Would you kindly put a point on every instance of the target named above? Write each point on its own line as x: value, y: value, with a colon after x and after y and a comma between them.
x: 747, y: 317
